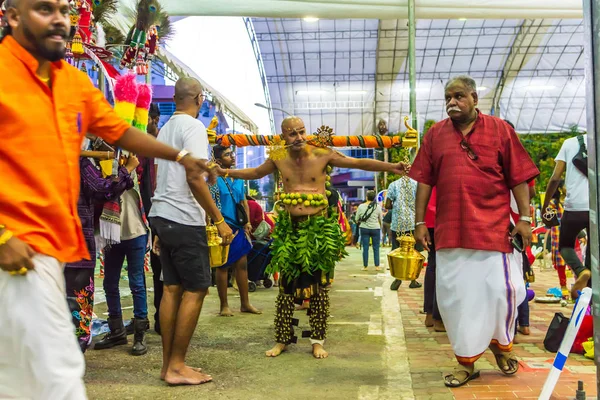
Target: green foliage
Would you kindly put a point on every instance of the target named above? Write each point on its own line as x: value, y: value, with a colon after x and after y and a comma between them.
x: 428, y: 124
x: 543, y: 147
x: 314, y: 244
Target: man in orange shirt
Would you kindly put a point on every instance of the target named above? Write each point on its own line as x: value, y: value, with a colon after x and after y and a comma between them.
x: 46, y: 107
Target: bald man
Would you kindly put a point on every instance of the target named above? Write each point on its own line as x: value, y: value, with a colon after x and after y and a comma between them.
x: 306, y: 274
x: 180, y: 225
x: 48, y: 104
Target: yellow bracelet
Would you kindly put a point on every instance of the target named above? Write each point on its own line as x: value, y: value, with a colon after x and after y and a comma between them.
x: 219, y: 222
x: 5, y: 237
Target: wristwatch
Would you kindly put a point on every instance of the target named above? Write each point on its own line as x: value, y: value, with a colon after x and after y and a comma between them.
x: 524, y: 218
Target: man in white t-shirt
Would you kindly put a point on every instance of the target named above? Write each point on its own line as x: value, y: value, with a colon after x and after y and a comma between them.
x: 180, y: 225
x: 399, y: 203
x: 577, y: 205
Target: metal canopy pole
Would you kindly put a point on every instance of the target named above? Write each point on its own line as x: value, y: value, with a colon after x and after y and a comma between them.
x: 412, y: 62
x: 591, y: 18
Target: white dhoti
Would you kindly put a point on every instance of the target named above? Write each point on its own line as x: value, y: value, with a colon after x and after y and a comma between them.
x: 478, y: 293
x: 39, y: 354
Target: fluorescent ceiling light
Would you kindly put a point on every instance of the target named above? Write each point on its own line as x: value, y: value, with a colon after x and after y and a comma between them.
x: 351, y: 92
x: 540, y: 87
x: 482, y: 88
x: 418, y: 90
x: 307, y: 92
x: 462, y: 19
x: 311, y: 19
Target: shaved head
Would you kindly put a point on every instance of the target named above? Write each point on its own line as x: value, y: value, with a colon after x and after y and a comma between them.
x: 294, y: 133
x: 188, y: 96
x: 290, y: 122
x: 186, y: 88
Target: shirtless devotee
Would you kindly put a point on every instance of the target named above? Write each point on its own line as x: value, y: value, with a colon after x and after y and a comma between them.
x: 307, y: 237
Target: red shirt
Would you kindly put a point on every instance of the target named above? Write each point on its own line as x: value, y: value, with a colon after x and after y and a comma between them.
x: 430, y: 212
x: 257, y: 215
x: 474, y: 207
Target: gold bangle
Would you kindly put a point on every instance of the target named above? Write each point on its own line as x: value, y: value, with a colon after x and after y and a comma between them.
x: 5, y: 237
x: 181, y: 155
x: 219, y: 222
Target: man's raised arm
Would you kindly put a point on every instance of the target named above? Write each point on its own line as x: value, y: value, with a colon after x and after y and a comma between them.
x: 266, y: 168
x: 366, y: 164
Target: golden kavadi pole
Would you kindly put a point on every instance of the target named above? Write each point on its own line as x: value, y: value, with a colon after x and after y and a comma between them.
x: 405, y: 262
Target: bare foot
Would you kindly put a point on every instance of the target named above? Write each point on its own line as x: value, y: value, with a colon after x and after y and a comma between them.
x: 226, y: 312
x: 303, y: 306
x: 250, y: 309
x: 378, y: 269
x: 186, y: 376
x: 163, y: 372
x: 580, y: 283
x: 276, y: 350
x: 319, y: 351
x: 365, y: 269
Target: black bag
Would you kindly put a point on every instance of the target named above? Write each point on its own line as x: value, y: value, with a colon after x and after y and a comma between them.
x: 556, y: 332
x: 240, y: 212
x: 367, y: 214
x: 553, y: 221
x: 580, y: 159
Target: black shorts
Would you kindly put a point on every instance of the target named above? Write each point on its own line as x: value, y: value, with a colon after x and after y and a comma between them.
x: 183, y: 254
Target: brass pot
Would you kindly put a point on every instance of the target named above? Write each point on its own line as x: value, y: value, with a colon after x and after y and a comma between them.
x: 217, y: 254
x: 405, y: 262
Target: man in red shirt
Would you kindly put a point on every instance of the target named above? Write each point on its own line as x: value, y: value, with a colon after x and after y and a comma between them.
x: 474, y: 161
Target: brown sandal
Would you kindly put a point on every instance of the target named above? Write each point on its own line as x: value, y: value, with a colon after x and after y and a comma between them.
x: 507, y: 362
x: 450, y: 380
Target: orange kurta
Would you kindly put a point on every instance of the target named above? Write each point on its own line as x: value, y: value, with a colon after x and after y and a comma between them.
x: 41, y: 131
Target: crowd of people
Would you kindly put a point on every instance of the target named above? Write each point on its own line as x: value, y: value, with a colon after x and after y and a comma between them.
x: 127, y: 193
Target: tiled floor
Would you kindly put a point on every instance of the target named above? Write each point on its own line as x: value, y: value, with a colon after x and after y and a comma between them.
x: 430, y: 354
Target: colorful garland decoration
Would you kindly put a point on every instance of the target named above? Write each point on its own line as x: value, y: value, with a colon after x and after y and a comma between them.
x: 370, y: 141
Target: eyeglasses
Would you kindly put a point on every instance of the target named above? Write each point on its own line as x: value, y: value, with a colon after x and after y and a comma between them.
x: 465, y: 146
x: 200, y: 95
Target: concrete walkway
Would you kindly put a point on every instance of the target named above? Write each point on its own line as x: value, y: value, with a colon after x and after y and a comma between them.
x: 379, y: 349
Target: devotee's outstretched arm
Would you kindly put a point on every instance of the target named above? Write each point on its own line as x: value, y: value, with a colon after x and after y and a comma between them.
x: 421, y: 201
x: 266, y: 168
x: 365, y: 164
x: 559, y: 170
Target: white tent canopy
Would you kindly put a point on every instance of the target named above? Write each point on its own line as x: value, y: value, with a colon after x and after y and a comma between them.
x: 375, y: 9
x: 348, y: 74
x: 526, y: 56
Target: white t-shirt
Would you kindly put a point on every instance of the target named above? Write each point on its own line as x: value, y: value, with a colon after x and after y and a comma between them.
x: 173, y: 199
x: 578, y: 191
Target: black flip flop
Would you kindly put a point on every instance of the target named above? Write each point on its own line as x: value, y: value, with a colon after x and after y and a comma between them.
x: 470, y: 377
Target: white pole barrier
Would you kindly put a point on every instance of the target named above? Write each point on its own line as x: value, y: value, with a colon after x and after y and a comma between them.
x: 565, y: 347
